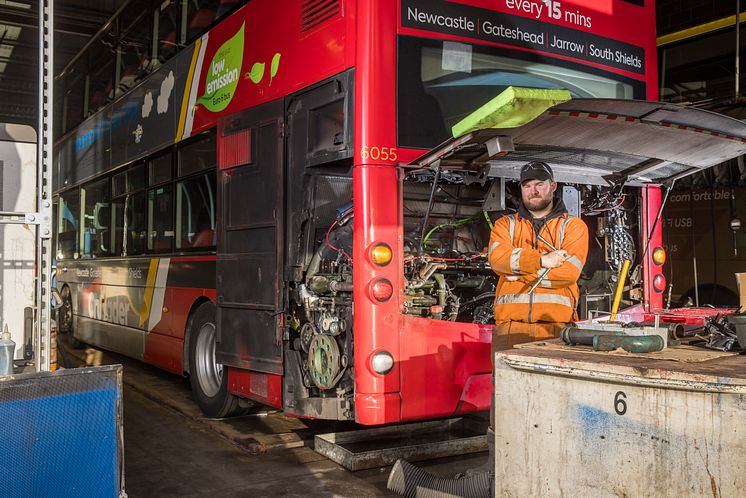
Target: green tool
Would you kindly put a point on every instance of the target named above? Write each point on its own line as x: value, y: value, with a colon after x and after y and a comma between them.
x: 632, y: 344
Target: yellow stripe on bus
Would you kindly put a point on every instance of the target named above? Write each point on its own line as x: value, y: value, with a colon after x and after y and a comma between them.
x: 147, y: 298
x: 188, y: 90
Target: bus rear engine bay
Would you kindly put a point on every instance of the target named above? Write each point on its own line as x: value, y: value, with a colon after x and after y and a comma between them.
x: 447, y: 224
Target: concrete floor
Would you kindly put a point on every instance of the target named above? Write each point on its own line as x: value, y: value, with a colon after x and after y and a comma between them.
x: 171, y: 449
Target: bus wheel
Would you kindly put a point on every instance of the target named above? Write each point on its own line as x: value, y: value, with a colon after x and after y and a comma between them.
x: 209, y: 380
x: 65, y: 312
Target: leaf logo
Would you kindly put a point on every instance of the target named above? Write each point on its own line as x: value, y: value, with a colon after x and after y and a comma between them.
x: 224, y: 73
x: 256, y: 73
x: 274, y: 67
x: 257, y: 70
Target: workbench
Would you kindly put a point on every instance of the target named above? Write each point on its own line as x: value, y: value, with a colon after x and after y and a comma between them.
x: 582, y: 423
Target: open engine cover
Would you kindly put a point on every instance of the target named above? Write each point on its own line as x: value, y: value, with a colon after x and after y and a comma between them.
x: 600, y: 142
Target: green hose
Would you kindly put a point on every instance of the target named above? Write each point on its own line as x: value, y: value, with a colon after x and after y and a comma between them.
x: 487, y: 217
x: 455, y: 224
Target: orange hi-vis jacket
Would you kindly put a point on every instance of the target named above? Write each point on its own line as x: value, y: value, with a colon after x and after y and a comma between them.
x: 515, y: 255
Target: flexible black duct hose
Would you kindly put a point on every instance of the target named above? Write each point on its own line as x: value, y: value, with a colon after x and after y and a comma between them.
x: 411, y: 481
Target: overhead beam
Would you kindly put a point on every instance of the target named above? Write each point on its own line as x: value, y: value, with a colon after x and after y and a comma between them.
x: 24, y: 20
x: 31, y: 46
x: 21, y: 24
x: 76, y: 16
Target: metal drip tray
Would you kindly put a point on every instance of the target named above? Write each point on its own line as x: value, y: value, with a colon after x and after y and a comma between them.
x: 378, y: 447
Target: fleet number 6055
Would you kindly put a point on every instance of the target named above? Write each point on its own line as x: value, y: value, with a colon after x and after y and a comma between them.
x: 378, y: 153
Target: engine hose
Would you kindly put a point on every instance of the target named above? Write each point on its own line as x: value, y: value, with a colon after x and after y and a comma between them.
x: 411, y: 481
x: 489, y: 221
x: 584, y: 337
x: 342, y: 235
x: 455, y: 224
x: 440, y: 280
x: 631, y: 344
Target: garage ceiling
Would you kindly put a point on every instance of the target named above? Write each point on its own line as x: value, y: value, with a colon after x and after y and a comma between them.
x: 75, y: 22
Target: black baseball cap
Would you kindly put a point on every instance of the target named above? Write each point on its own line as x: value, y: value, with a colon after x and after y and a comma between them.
x: 536, y: 170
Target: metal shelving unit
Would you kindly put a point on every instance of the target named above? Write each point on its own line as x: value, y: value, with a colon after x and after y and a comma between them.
x: 41, y: 219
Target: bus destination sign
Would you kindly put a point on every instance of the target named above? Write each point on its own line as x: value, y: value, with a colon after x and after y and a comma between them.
x: 527, y: 32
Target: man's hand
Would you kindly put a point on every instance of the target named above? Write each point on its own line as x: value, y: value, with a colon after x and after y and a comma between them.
x: 554, y: 259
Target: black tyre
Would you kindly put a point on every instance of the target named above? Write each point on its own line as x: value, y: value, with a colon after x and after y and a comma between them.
x: 65, y: 312
x: 209, y: 380
x: 65, y: 319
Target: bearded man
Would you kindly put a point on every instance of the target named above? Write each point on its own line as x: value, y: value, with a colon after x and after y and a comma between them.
x: 541, y: 242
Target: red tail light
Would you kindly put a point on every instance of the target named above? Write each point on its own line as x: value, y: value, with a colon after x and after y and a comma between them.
x: 381, y: 290
x: 659, y: 283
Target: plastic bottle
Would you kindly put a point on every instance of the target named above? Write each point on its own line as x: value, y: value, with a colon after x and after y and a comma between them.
x: 53, y: 346
x: 7, y: 352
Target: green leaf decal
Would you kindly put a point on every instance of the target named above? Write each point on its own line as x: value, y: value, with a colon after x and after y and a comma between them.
x: 274, y: 66
x: 257, y: 72
x: 223, y: 74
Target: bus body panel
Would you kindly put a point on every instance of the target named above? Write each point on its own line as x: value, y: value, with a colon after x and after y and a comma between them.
x: 259, y: 386
x: 147, y: 300
x: 443, y: 367
x: 653, y: 238
x: 301, y: 58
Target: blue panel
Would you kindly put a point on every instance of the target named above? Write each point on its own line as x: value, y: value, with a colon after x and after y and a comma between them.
x: 56, y: 443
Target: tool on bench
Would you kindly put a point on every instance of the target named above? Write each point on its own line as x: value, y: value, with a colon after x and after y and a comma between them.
x: 611, y: 336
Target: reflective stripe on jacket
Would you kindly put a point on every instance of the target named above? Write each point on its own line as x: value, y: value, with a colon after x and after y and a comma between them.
x: 515, y: 255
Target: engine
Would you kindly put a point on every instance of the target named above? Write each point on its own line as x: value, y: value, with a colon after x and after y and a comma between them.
x: 321, y: 320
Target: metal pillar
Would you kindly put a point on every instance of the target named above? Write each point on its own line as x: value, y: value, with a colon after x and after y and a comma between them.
x: 42, y: 323
x: 738, y: 48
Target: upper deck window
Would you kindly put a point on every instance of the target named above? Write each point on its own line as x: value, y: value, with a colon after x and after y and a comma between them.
x: 134, y: 57
x: 167, y: 22
x: 441, y: 82
x: 101, y: 76
x: 200, y: 15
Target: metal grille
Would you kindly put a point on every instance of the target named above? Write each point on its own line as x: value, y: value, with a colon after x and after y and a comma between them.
x: 316, y: 12
x: 61, y: 433
x: 235, y: 149
x: 331, y: 193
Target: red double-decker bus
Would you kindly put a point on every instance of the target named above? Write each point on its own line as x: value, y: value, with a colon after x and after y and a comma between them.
x: 281, y: 212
